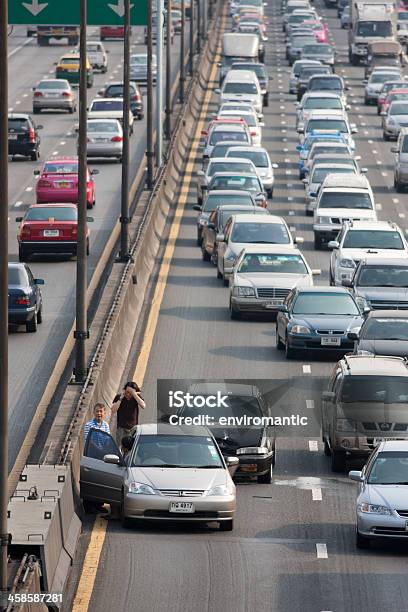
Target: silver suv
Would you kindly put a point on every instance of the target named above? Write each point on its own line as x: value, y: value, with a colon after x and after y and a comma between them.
x: 401, y: 160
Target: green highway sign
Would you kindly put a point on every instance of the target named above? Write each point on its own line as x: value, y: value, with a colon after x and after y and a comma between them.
x: 55, y: 12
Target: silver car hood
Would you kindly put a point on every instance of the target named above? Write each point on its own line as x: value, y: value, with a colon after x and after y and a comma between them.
x: 178, y: 478
x: 283, y: 281
x: 394, y: 496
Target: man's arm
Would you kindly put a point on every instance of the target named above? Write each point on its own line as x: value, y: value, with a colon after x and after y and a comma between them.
x: 138, y: 398
x: 115, y: 405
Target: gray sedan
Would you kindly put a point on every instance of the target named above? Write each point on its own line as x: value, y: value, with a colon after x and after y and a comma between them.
x: 395, y: 119
x: 55, y: 94
x: 138, y: 68
x: 382, y: 502
x: 105, y: 138
x: 384, y: 332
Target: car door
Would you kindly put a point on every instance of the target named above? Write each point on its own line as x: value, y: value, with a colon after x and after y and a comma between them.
x: 222, y: 246
x: 335, y: 254
x: 100, y: 481
x: 283, y: 317
x: 35, y: 294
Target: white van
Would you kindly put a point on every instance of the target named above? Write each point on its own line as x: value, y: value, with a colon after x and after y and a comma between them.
x: 242, y: 85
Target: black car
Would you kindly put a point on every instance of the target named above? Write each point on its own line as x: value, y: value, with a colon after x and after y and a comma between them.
x: 254, y: 445
x: 24, y: 297
x: 306, y: 73
x: 384, y: 332
x: 115, y: 90
x: 380, y: 283
x: 260, y: 72
x: 317, y: 318
x: 23, y: 137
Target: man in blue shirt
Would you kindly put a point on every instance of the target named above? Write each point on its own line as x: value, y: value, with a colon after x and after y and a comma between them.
x: 98, y: 422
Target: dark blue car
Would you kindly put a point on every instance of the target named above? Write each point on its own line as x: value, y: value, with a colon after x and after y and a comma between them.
x: 317, y: 318
x: 24, y: 297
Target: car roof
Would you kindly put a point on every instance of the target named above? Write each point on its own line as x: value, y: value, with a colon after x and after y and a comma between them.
x: 225, y: 388
x: 19, y: 116
x: 155, y: 429
x: 230, y: 192
x: 373, y: 225
x: 387, y: 314
x: 393, y: 446
x: 272, y: 219
x: 16, y: 264
x: 323, y: 288
x: 354, y: 181
x: 373, y: 365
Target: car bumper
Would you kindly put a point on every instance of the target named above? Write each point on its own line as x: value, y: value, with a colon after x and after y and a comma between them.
x: 58, y: 196
x: 402, y: 176
x: 315, y: 343
x: 15, y: 148
x: 156, y: 507
x: 392, y: 130
x: 56, y: 246
x: 255, y: 305
x: 254, y: 465
x: 325, y: 233
x: 54, y: 104
x: 20, y: 316
x: 380, y: 526
x: 104, y: 150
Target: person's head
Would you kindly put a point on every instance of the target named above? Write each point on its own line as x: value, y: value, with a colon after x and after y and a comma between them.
x: 127, y: 389
x: 99, y: 412
x: 126, y: 444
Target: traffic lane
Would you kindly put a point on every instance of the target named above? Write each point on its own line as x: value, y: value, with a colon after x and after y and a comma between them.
x: 32, y: 357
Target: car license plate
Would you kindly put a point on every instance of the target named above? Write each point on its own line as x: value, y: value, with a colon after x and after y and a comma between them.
x: 12, y: 136
x: 72, y: 70
x: 51, y: 233
x: 181, y: 507
x: 330, y: 341
x: 101, y: 139
x: 63, y: 184
x: 273, y: 303
x: 51, y: 95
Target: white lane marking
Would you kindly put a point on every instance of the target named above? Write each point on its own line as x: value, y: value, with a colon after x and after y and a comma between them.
x: 379, y: 162
x: 313, y: 446
x: 17, y: 204
x: 384, y: 173
x: 360, y: 117
x: 288, y: 171
x: 374, y: 151
x: 306, y: 369
x: 290, y: 199
x: 29, y: 188
x: 25, y: 95
x: 282, y: 108
x: 370, y: 142
x: 283, y: 122
x: 401, y: 215
x: 321, y: 551
x: 365, y: 133
x: 378, y: 206
x: 17, y: 49
x: 310, y: 404
x: 285, y: 150
x: 69, y: 133
x: 290, y: 185
x: 287, y: 160
x: 55, y: 152
x: 316, y: 494
x: 10, y: 109
x: 284, y: 139
x: 292, y: 213
x: 395, y: 200
x: 18, y: 102
x: 363, y: 124
x: 292, y: 228
x: 62, y: 142
x: 283, y: 131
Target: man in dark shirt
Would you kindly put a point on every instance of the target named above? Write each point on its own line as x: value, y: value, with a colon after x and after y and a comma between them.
x: 126, y: 406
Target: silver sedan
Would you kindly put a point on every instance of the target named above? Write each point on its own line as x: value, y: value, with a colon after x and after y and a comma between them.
x: 105, y: 138
x: 55, y: 94
x: 382, y: 501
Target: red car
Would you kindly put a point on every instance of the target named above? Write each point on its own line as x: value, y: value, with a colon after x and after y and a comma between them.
x: 112, y: 32
x: 49, y: 228
x: 320, y: 30
x: 392, y: 96
x: 58, y: 182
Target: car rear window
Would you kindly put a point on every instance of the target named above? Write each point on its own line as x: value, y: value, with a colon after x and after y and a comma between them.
x: 53, y: 85
x: 240, y: 88
x: 17, y: 276
x: 60, y: 213
x: 18, y: 124
x: 107, y: 105
x: 61, y: 168
x: 247, y: 183
x: 69, y: 60
x: 102, y: 126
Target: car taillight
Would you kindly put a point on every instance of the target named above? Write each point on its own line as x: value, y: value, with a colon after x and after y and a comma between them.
x: 37, y: 94
x: 23, y: 301
x: 136, y: 97
x: 31, y: 135
x: 253, y: 133
x: 25, y: 232
x: 66, y: 94
x: 44, y: 183
x: 74, y: 231
x: 116, y: 139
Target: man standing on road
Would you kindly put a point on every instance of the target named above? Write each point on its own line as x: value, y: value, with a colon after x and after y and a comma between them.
x: 126, y: 406
x: 98, y: 422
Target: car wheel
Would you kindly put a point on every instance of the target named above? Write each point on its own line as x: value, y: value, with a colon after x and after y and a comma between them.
x: 265, y: 478
x: 35, y: 156
x: 31, y: 326
x: 227, y: 525
x: 140, y: 116
x: 125, y: 521
x: 36, y: 111
x: 219, y: 275
x: 279, y: 343
x: 205, y: 255
x: 39, y: 316
x: 119, y: 159
x: 398, y: 186
x: 269, y: 193
x: 289, y: 352
x: 317, y: 242
x: 22, y: 256
x: 234, y: 313
x: 226, y: 281
x: 338, y: 461
x: 266, y: 100
x: 71, y: 110
x: 361, y: 541
x: 87, y: 247
x: 385, y: 136
x: 366, y: 101
x: 327, y: 450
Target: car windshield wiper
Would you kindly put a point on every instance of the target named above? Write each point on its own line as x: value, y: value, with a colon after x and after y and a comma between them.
x: 390, y: 483
x: 161, y: 465
x: 202, y: 467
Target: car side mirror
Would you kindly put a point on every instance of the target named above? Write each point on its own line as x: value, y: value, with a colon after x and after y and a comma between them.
x: 101, y: 92
x: 282, y: 308
x: 356, y: 475
x: 363, y: 170
x: 94, y: 171
x: 352, y: 336
x: 347, y: 88
x: 333, y: 244
x: 217, y: 90
x: 19, y: 219
x: 357, y: 157
x: 348, y: 107
x: 204, y: 133
x: 298, y: 240
x: 220, y: 238
x: 275, y: 166
x: 346, y: 282
x: 232, y: 464
x: 365, y: 81
x: 112, y: 459
x: 305, y: 181
x: 197, y: 207
x: 366, y: 310
x: 354, y: 130
x: 328, y: 396
x: 39, y: 281
x: 261, y: 124
x: 90, y: 219
x: 200, y: 173
x: 313, y: 194
x: 36, y: 173
x: 300, y: 130
x: 383, y: 114
x: 298, y: 147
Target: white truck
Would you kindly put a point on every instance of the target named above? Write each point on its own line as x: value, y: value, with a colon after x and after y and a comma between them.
x: 238, y: 47
x: 370, y: 21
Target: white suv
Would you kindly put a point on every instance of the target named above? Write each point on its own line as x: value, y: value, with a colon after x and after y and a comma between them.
x: 341, y: 197
x: 363, y: 240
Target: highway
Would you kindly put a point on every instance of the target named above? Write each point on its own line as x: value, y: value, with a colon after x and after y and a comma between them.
x: 33, y: 356
x: 292, y: 548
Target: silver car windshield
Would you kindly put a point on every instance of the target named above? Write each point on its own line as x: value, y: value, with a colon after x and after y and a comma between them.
x: 268, y: 233
x: 389, y: 468
x: 176, y: 451
x: 325, y: 304
x: 383, y: 276
x: 385, y: 329
x: 272, y: 264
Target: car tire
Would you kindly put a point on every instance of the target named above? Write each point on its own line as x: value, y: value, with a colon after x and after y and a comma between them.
x: 31, y: 326
x: 39, y: 316
x: 265, y: 478
x: 87, y: 247
x: 205, y: 255
x: 317, y: 243
x: 71, y: 110
x: 266, y: 100
x: 234, y: 313
x: 219, y: 275
x: 226, y: 525
x: 398, y: 186
x: 269, y: 193
x: 125, y: 521
x: 289, y: 352
x: 35, y: 156
x: 338, y: 461
x: 279, y: 343
x: 36, y: 111
x: 140, y: 116
x: 22, y: 256
x: 361, y: 541
x: 327, y: 450
x: 385, y: 136
x: 226, y: 281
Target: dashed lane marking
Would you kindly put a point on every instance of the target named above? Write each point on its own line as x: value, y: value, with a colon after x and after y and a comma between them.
x: 307, y: 369
x: 321, y: 551
x: 316, y: 494
x: 313, y: 446
x: 310, y: 404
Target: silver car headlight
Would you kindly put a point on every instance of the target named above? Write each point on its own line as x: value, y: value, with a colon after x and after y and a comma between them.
x: 374, y: 509
x: 391, y: 121
x: 355, y: 330
x: 140, y: 488
x: 361, y: 302
x: 345, y: 425
x: 221, y: 490
x: 253, y: 450
x: 243, y: 292
x: 321, y: 220
x: 300, y: 329
x: 347, y: 263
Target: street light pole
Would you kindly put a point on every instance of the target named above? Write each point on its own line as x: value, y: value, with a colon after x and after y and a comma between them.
x: 168, y: 72
x: 149, y: 118
x: 198, y: 26
x: 191, y: 56
x: 182, y: 65
x: 124, y: 212
x: 159, y: 83
x: 3, y: 295
x: 81, y: 330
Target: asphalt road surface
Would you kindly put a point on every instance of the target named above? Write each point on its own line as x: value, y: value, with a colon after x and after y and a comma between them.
x: 292, y: 548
